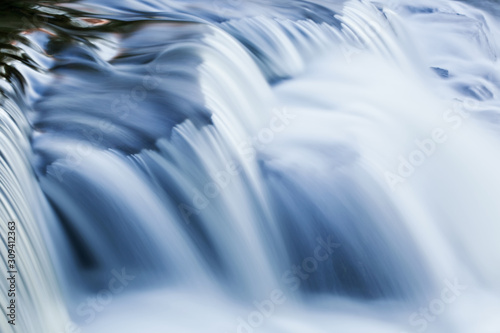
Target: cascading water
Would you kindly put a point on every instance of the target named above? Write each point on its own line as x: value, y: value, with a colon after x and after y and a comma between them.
x: 231, y: 166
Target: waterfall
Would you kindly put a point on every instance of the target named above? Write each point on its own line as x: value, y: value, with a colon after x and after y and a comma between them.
x: 261, y: 166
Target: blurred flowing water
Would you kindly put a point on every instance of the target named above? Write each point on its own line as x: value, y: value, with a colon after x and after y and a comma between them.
x: 251, y: 166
